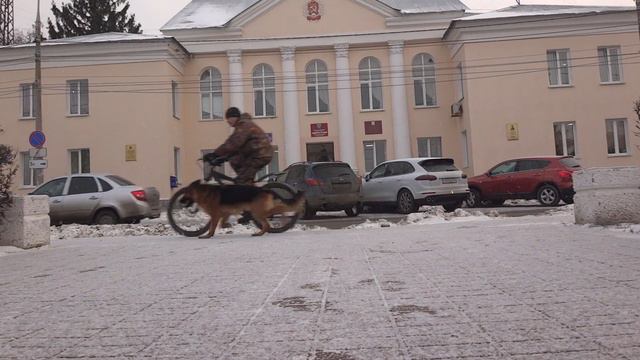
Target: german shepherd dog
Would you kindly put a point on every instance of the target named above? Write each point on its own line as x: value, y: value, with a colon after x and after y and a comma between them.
x: 221, y: 201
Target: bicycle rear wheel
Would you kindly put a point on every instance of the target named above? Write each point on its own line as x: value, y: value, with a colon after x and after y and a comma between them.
x: 185, y: 217
x: 280, y: 223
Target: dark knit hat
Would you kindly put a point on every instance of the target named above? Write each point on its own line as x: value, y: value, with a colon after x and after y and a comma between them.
x: 232, y: 112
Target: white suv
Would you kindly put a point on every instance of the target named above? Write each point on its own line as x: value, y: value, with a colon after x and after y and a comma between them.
x: 410, y: 183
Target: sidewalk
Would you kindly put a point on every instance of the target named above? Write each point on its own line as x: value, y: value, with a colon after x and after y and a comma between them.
x: 518, y: 288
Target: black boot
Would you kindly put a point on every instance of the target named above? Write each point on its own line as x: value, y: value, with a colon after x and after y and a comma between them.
x: 245, y: 219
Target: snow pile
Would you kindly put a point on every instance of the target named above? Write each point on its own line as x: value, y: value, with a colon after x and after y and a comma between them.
x: 562, y: 210
x: 75, y: 231
x: 149, y: 228
x: 436, y: 214
x: 368, y: 224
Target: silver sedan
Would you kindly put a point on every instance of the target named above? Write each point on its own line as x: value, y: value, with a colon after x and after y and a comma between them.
x: 98, y: 199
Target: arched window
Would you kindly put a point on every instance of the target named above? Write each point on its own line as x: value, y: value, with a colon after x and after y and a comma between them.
x: 317, y: 87
x: 370, y: 84
x: 264, y: 90
x: 424, y: 80
x: 211, y: 94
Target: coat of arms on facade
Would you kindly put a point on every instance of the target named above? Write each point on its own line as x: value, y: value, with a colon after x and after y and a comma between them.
x: 312, y: 10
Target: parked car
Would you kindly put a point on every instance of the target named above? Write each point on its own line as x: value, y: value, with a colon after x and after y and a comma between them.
x: 409, y: 183
x: 328, y: 186
x: 98, y: 199
x: 547, y: 179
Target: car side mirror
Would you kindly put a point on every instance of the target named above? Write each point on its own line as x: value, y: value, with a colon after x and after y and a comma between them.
x: 367, y: 177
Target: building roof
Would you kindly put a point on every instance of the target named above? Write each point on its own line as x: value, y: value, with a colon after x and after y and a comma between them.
x: 109, y: 37
x: 543, y: 10
x: 217, y: 13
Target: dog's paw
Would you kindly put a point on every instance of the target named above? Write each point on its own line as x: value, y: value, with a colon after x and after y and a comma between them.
x: 257, y: 234
x: 205, y: 237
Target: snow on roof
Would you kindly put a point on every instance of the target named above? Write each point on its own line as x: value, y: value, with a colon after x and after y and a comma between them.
x: 96, y: 38
x: 542, y: 10
x: 217, y: 13
x: 425, y: 6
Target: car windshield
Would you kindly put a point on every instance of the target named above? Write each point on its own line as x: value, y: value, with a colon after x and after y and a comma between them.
x: 120, y: 181
x: 438, y: 165
x: 570, y: 162
x: 329, y: 171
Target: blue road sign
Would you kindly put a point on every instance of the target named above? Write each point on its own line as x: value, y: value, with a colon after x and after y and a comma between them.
x: 37, y: 139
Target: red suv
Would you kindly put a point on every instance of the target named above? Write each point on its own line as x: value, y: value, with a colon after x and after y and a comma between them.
x: 547, y: 179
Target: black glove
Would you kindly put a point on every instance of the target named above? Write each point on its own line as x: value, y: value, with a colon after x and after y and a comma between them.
x: 213, y: 159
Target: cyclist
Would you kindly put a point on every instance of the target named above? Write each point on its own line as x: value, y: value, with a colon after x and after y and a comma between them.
x: 248, y: 148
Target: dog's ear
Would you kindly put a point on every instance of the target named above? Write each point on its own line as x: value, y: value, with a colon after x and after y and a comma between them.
x: 197, y: 182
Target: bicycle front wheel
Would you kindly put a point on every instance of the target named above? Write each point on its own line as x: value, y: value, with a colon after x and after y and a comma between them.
x: 185, y: 217
x: 280, y: 223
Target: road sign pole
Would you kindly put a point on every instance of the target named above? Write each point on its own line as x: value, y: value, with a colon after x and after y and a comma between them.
x: 37, y: 86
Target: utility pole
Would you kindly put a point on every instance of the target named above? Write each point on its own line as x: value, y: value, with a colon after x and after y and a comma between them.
x: 638, y: 12
x: 37, y: 86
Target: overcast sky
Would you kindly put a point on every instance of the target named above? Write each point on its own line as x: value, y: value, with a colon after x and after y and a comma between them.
x: 155, y: 13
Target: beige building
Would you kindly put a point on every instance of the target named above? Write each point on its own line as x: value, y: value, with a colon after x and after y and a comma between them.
x: 360, y: 81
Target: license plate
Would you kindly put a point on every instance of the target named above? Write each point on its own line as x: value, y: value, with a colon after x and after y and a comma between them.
x: 449, y: 181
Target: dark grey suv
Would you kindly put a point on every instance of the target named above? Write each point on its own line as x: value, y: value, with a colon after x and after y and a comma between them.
x: 328, y: 186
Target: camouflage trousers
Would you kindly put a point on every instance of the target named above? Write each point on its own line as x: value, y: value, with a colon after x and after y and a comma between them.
x: 247, y: 168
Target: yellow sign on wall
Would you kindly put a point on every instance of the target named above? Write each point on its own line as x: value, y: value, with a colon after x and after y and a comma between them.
x: 130, y: 152
x: 512, y: 132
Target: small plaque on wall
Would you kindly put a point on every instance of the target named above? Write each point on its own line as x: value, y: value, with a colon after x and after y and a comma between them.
x: 512, y: 132
x: 319, y: 130
x: 130, y: 152
x: 373, y: 127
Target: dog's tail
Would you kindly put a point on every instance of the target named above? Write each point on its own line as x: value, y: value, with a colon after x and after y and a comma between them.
x: 296, y: 203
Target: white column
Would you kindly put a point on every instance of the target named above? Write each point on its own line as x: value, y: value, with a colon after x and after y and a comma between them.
x: 401, y: 135
x: 345, y: 107
x: 236, y: 96
x: 291, y: 113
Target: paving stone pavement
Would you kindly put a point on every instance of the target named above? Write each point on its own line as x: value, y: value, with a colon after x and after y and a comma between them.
x: 528, y: 288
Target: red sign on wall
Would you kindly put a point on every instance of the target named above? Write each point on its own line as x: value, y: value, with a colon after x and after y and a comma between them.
x: 373, y: 127
x: 319, y: 130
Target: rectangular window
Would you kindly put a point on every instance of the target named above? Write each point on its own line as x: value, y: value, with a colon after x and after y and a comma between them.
x: 465, y: 149
x: 30, y: 177
x: 80, y: 161
x: 430, y: 147
x: 558, y: 66
x: 565, y: 138
x: 175, y: 101
x: 610, y: 65
x: 375, y: 152
x: 176, y: 163
x: 272, y: 168
x: 27, y: 101
x: 78, y: 92
x: 460, y: 83
x: 617, y: 137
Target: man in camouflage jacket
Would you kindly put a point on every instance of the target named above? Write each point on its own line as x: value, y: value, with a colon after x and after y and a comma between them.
x: 248, y: 148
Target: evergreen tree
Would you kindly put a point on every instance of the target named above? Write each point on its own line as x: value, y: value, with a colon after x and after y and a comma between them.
x: 84, y: 17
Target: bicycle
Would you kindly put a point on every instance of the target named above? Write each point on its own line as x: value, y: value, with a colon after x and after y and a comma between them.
x: 186, y: 218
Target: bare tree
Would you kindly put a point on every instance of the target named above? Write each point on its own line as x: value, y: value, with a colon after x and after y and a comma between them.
x: 7, y: 171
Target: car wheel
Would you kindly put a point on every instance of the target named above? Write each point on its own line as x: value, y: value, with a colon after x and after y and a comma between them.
x: 355, y: 210
x: 548, y: 195
x: 106, y: 217
x: 474, y: 199
x: 568, y: 200
x: 309, y: 213
x: 406, y: 204
x: 451, y: 207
